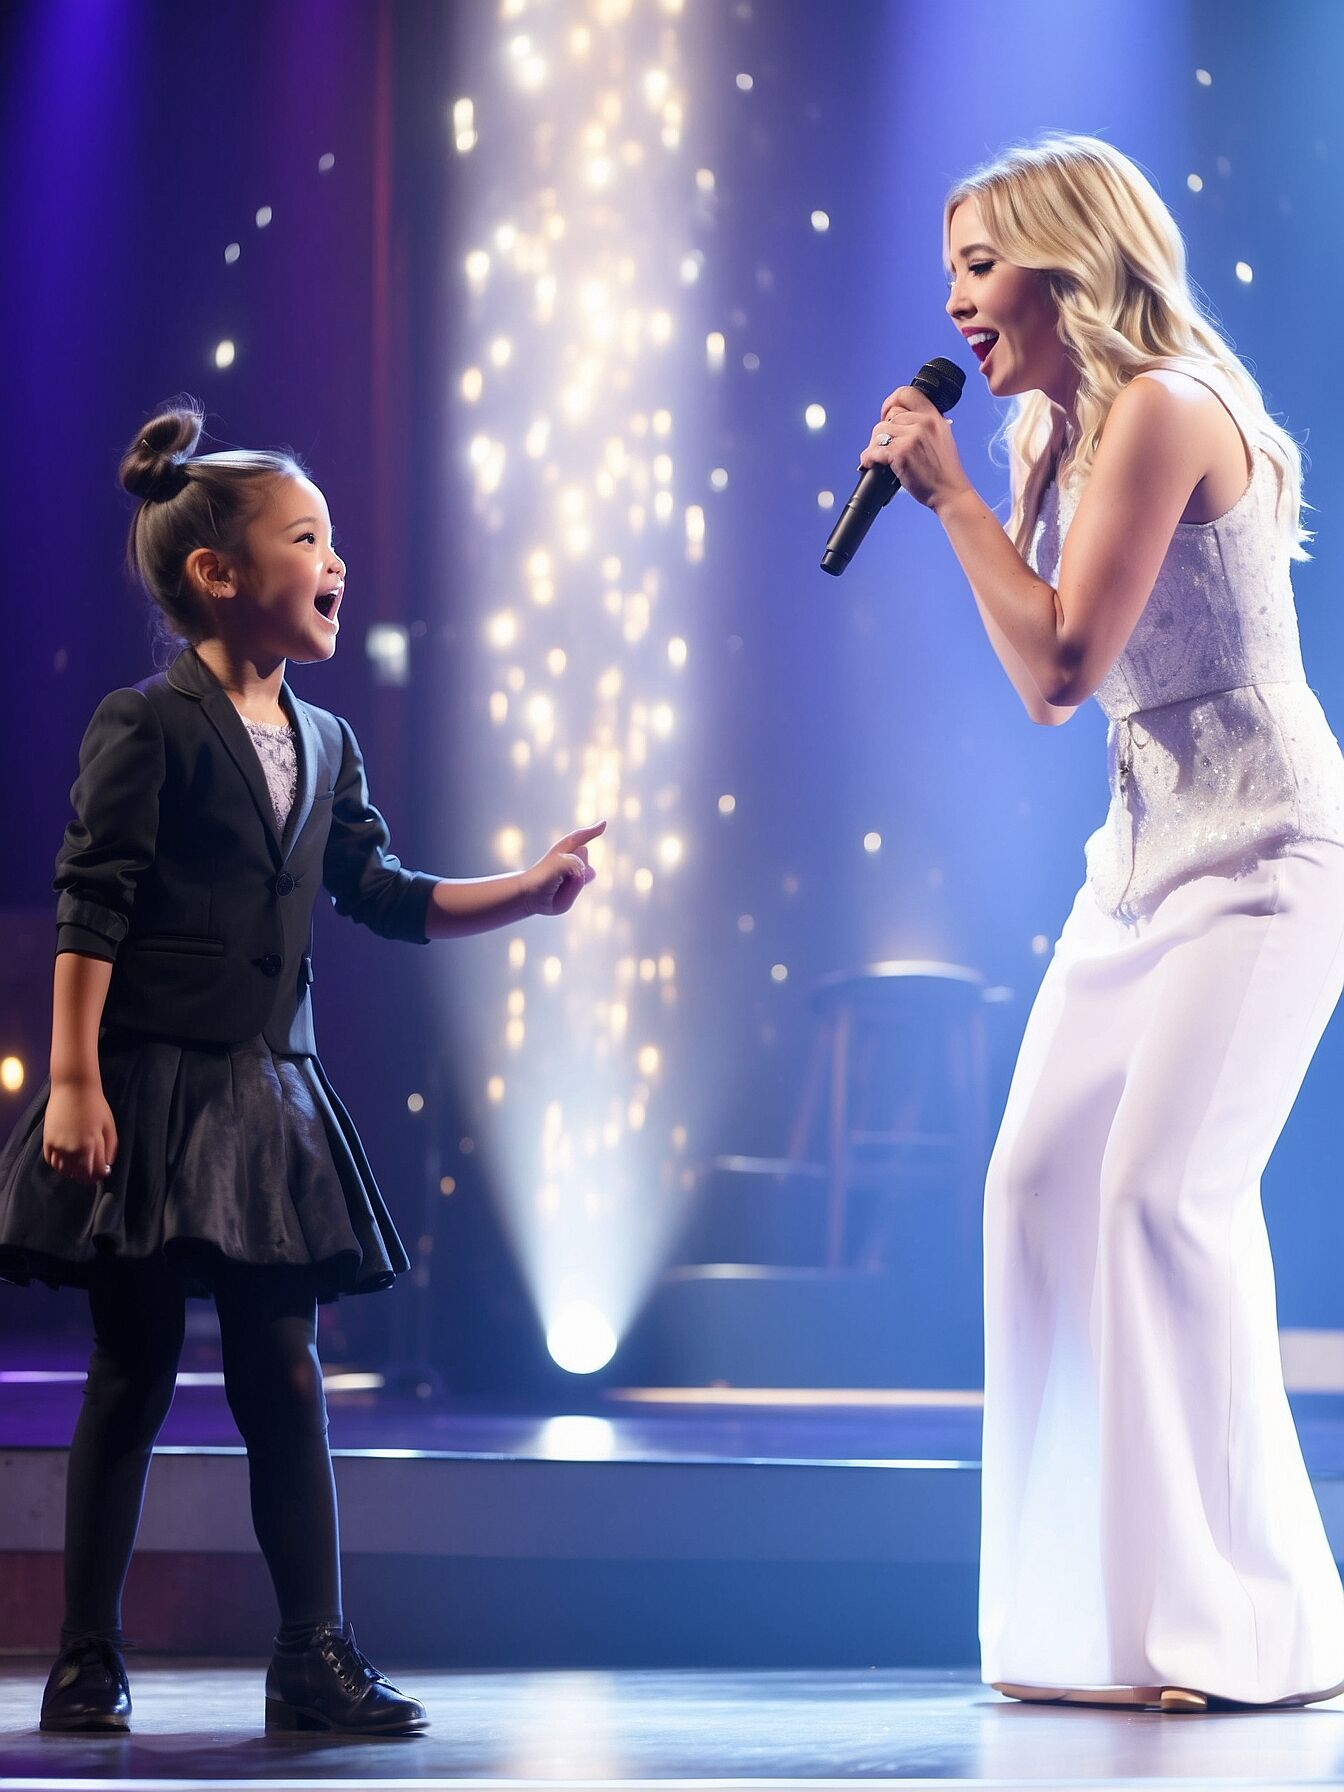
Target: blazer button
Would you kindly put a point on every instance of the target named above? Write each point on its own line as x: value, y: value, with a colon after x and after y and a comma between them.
x: 284, y: 883
x: 272, y: 965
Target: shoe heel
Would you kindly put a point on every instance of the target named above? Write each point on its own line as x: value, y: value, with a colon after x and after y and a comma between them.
x: 1181, y: 1699
x: 280, y: 1716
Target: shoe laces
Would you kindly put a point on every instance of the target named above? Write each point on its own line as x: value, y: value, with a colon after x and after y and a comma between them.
x: 351, y: 1665
x: 95, y: 1648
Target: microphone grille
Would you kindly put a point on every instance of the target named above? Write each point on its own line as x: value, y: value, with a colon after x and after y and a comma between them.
x: 940, y: 380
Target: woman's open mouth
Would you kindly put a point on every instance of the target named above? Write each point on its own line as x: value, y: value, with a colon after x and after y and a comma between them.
x: 981, y: 342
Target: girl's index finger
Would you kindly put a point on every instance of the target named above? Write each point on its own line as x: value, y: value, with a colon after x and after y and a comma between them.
x: 581, y: 836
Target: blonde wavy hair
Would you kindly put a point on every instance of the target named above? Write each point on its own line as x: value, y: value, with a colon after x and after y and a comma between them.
x: 1089, y: 220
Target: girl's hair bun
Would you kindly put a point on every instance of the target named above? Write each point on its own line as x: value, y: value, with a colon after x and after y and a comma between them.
x: 154, y: 467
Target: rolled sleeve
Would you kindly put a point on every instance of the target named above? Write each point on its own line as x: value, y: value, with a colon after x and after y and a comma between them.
x: 365, y: 878
x: 111, y: 840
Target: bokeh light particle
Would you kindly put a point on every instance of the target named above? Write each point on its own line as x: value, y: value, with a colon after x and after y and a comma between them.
x: 815, y: 416
x: 502, y: 629
x: 464, y: 126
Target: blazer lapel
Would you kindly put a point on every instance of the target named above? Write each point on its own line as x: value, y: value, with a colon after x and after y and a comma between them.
x: 307, y: 744
x: 188, y: 674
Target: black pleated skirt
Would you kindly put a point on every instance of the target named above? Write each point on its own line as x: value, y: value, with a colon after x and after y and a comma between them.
x: 222, y: 1151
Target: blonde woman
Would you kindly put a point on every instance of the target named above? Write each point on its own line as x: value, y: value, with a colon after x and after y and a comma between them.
x: 1149, y: 1531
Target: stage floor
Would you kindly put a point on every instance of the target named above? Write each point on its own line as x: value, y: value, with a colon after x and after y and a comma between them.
x: 41, y: 1382
x: 38, y: 1407
x: 203, y: 1726
x: 40, y: 1413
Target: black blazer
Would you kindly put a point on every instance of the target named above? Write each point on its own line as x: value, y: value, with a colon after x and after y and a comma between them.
x: 173, y: 868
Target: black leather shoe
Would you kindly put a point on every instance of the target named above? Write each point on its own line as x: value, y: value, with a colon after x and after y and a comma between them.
x: 87, y: 1688
x: 326, y: 1684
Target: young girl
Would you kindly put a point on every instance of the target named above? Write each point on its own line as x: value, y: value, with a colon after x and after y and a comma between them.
x: 1149, y: 1531
x: 189, y: 1139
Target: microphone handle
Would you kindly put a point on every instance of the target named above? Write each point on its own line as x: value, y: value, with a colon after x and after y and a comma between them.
x: 941, y: 382
x: 876, y: 488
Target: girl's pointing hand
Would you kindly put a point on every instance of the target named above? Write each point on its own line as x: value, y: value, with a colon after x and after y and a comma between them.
x: 552, y: 885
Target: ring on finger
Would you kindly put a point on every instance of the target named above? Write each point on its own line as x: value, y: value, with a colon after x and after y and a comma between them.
x: 884, y: 441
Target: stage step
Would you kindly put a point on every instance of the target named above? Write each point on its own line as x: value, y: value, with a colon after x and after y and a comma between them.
x: 506, y: 1561
x: 497, y: 1561
x: 770, y: 1325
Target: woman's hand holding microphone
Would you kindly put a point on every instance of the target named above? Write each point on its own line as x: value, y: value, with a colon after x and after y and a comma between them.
x: 914, y: 439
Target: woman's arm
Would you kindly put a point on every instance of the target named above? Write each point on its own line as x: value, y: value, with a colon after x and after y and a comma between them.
x: 1159, y: 441
x: 461, y: 906
x: 79, y: 1137
x: 1049, y: 715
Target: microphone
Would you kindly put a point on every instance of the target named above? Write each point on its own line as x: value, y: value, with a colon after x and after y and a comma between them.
x: 939, y: 380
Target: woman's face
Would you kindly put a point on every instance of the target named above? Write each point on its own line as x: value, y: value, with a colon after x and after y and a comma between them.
x: 1005, y: 313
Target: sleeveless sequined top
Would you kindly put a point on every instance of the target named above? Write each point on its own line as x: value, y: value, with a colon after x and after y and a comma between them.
x: 1219, y: 752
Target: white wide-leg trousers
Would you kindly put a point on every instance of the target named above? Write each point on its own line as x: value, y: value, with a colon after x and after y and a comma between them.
x: 1147, y: 1516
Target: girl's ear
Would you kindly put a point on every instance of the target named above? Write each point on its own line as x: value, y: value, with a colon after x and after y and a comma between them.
x: 208, y: 575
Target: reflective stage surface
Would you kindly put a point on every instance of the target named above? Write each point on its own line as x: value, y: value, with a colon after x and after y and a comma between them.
x: 196, y: 1724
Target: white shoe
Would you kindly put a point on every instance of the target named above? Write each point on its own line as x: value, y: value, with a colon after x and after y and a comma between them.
x: 1132, y: 1698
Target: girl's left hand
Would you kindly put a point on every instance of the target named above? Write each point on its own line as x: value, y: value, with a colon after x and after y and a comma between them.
x: 915, y: 440
x: 552, y: 885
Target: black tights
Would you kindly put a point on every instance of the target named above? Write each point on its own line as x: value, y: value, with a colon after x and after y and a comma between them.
x: 268, y: 1329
